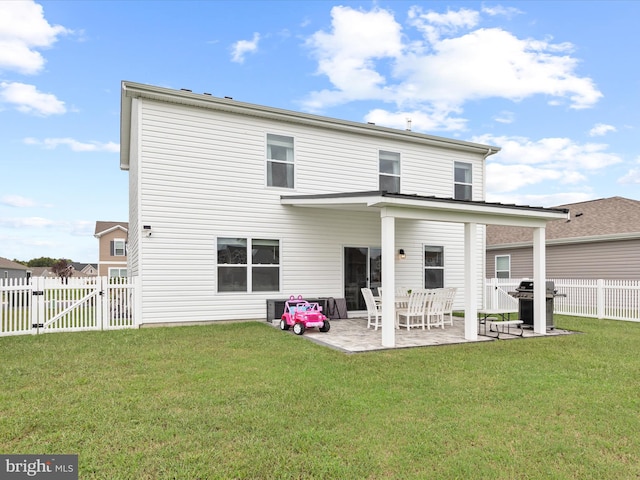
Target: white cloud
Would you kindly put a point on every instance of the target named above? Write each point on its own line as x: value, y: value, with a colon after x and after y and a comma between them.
x: 421, y: 120
x: 523, y: 162
x: 505, y: 117
x: 74, y: 145
x: 547, y: 200
x: 28, y: 99
x: 26, y: 222
x: 368, y: 56
x: 23, y: 29
x: 600, y: 129
x: 510, y: 178
x: 242, y: 47
x: 17, y: 201
x: 632, y: 176
x: 558, y: 152
x: 346, y: 55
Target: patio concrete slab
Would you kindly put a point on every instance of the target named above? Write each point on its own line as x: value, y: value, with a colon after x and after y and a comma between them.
x: 352, y: 335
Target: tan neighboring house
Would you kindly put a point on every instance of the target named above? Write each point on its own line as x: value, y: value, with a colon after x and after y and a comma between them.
x: 112, y: 257
x: 601, y: 240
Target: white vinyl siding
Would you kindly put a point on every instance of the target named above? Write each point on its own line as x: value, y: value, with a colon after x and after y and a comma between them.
x: 202, y: 176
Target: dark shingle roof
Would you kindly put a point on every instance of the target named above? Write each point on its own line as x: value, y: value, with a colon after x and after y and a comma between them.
x: 605, y: 216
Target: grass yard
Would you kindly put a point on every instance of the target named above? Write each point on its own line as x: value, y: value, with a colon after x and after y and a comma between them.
x: 249, y: 401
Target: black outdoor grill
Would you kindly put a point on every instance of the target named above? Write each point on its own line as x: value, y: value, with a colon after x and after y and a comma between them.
x: 524, y: 294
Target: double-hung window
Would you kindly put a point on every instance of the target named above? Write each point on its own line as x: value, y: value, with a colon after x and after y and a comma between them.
x: 462, y: 181
x: 280, y: 161
x: 503, y: 266
x: 389, y: 171
x: 433, y: 266
x: 248, y: 265
x: 118, y: 247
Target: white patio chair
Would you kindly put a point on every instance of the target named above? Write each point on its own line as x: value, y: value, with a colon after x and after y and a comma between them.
x: 448, y: 308
x: 374, y: 312
x: 435, y: 306
x: 414, y: 314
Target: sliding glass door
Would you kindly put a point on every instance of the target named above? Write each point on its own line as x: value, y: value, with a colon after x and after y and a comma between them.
x: 362, y: 268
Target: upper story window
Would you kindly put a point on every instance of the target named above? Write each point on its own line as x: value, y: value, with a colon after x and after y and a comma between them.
x: 279, y: 161
x: 433, y: 266
x: 118, y: 247
x: 462, y: 181
x: 503, y: 266
x: 389, y: 171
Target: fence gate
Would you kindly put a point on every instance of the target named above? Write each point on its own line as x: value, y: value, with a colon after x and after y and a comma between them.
x: 40, y: 305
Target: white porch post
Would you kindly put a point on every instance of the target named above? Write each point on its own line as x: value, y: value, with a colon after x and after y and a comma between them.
x: 388, y: 245
x: 470, y: 279
x: 539, y: 281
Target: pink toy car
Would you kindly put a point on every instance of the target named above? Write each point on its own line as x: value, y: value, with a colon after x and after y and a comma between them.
x: 302, y: 315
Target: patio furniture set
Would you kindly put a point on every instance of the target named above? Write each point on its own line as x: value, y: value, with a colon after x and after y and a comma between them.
x: 424, y: 308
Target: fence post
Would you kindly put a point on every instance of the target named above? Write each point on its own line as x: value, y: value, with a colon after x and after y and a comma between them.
x: 600, y: 299
x: 494, y: 293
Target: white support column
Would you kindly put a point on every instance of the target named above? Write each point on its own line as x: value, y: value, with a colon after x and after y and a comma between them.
x: 539, y: 282
x: 388, y: 244
x: 470, y: 279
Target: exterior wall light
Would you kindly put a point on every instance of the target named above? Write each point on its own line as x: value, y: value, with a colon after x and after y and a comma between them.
x: 402, y: 254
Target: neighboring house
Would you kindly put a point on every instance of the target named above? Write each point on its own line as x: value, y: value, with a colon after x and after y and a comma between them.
x: 112, y: 256
x: 86, y: 269
x: 600, y: 240
x: 47, y: 272
x: 232, y: 204
x: 11, y: 269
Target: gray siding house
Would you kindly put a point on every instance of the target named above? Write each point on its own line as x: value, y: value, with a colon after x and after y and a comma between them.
x: 600, y: 240
x: 10, y: 269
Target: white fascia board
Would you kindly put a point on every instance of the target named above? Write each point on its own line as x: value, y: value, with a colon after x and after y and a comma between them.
x: 109, y: 230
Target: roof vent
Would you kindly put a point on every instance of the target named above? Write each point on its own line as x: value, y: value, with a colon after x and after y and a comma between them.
x: 229, y: 98
x: 185, y: 89
x: 206, y: 93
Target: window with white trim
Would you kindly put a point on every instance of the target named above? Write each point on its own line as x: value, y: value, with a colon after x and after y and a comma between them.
x: 433, y: 266
x: 389, y: 165
x: 118, y: 247
x: 248, y: 265
x: 503, y: 266
x: 117, y: 272
x: 280, y: 161
x: 462, y: 181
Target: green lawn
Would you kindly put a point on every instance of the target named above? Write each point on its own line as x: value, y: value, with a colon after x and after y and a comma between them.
x: 249, y: 401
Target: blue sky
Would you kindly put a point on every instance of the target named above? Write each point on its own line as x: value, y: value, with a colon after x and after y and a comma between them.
x: 555, y: 84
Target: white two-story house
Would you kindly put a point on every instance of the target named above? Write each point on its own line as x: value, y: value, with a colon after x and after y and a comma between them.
x: 232, y: 204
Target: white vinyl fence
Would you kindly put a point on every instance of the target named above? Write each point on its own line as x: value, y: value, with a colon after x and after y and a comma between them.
x: 613, y: 299
x: 41, y: 305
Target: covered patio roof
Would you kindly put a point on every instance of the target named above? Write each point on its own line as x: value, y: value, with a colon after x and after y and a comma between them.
x: 470, y: 213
